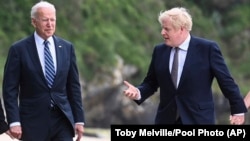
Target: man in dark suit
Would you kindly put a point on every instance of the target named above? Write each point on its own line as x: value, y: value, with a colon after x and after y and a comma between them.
x: 190, y: 100
x: 37, y: 108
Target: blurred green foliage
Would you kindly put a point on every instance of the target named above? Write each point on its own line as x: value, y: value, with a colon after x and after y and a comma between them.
x: 103, y: 29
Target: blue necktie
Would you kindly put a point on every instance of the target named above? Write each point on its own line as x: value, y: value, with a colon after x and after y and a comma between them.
x: 49, y: 65
x: 49, y: 68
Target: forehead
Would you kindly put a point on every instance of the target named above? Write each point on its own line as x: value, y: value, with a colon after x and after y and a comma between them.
x: 46, y: 12
x: 166, y: 23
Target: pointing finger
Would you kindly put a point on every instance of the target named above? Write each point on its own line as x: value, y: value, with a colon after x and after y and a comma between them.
x: 127, y: 83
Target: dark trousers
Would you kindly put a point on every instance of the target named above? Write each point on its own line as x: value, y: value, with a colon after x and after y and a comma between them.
x: 60, y: 127
x: 178, y: 121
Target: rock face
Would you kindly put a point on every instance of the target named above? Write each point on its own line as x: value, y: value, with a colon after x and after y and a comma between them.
x: 111, y: 107
x: 105, y: 104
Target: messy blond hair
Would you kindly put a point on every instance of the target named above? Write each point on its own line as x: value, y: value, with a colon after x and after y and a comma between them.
x: 178, y: 16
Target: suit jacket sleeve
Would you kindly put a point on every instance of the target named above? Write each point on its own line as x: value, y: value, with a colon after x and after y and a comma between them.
x: 226, y: 82
x: 74, y: 90
x: 150, y: 83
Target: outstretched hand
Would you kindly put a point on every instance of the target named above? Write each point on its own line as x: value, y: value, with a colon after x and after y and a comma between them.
x: 131, y: 92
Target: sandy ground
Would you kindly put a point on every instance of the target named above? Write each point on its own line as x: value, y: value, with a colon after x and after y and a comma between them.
x: 5, y: 137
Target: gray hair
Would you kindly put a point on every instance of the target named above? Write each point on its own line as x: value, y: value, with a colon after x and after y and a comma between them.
x: 178, y: 16
x: 38, y: 5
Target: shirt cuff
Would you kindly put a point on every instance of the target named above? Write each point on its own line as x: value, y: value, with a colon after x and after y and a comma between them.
x: 15, y: 124
x: 139, y: 95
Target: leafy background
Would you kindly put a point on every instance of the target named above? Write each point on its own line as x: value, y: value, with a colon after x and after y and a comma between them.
x: 101, y: 30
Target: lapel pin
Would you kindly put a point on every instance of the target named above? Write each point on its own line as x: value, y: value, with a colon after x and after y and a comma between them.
x: 60, y: 46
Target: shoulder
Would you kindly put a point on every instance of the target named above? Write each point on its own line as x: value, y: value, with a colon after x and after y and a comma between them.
x: 204, y: 45
x: 201, y: 40
x: 161, y: 49
x: 60, y: 40
x: 161, y: 46
x: 24, y: 41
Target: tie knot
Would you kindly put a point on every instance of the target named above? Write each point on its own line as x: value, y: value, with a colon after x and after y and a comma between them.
x: 46, y: 42
x: 176, y: 49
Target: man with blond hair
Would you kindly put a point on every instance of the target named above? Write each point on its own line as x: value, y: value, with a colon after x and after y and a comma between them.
x: 184, y: 67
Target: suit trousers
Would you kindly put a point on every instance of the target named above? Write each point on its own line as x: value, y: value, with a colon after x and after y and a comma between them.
x: 178, y: 121
x: 60, y: 127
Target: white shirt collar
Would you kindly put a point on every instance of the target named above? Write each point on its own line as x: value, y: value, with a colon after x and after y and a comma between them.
x: 40, y: 40
x: 185, y: 44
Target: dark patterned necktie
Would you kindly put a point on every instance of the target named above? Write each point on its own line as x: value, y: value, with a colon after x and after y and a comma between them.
x: 174, y: 72
x: 49, y: 65
x: 49, y: 68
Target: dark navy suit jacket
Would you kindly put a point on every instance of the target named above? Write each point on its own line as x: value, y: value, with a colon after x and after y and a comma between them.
x: 193, y: 98
x: 24, y: 78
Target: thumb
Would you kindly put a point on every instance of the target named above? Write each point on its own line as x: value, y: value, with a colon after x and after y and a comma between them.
x: 78, y: 139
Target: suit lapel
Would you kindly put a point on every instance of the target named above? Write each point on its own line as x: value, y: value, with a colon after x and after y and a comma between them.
x: 59, y: 47
x: 168, y: 58
x: 191, y: 55
x: 165, y: 63
x: 31, y: 45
